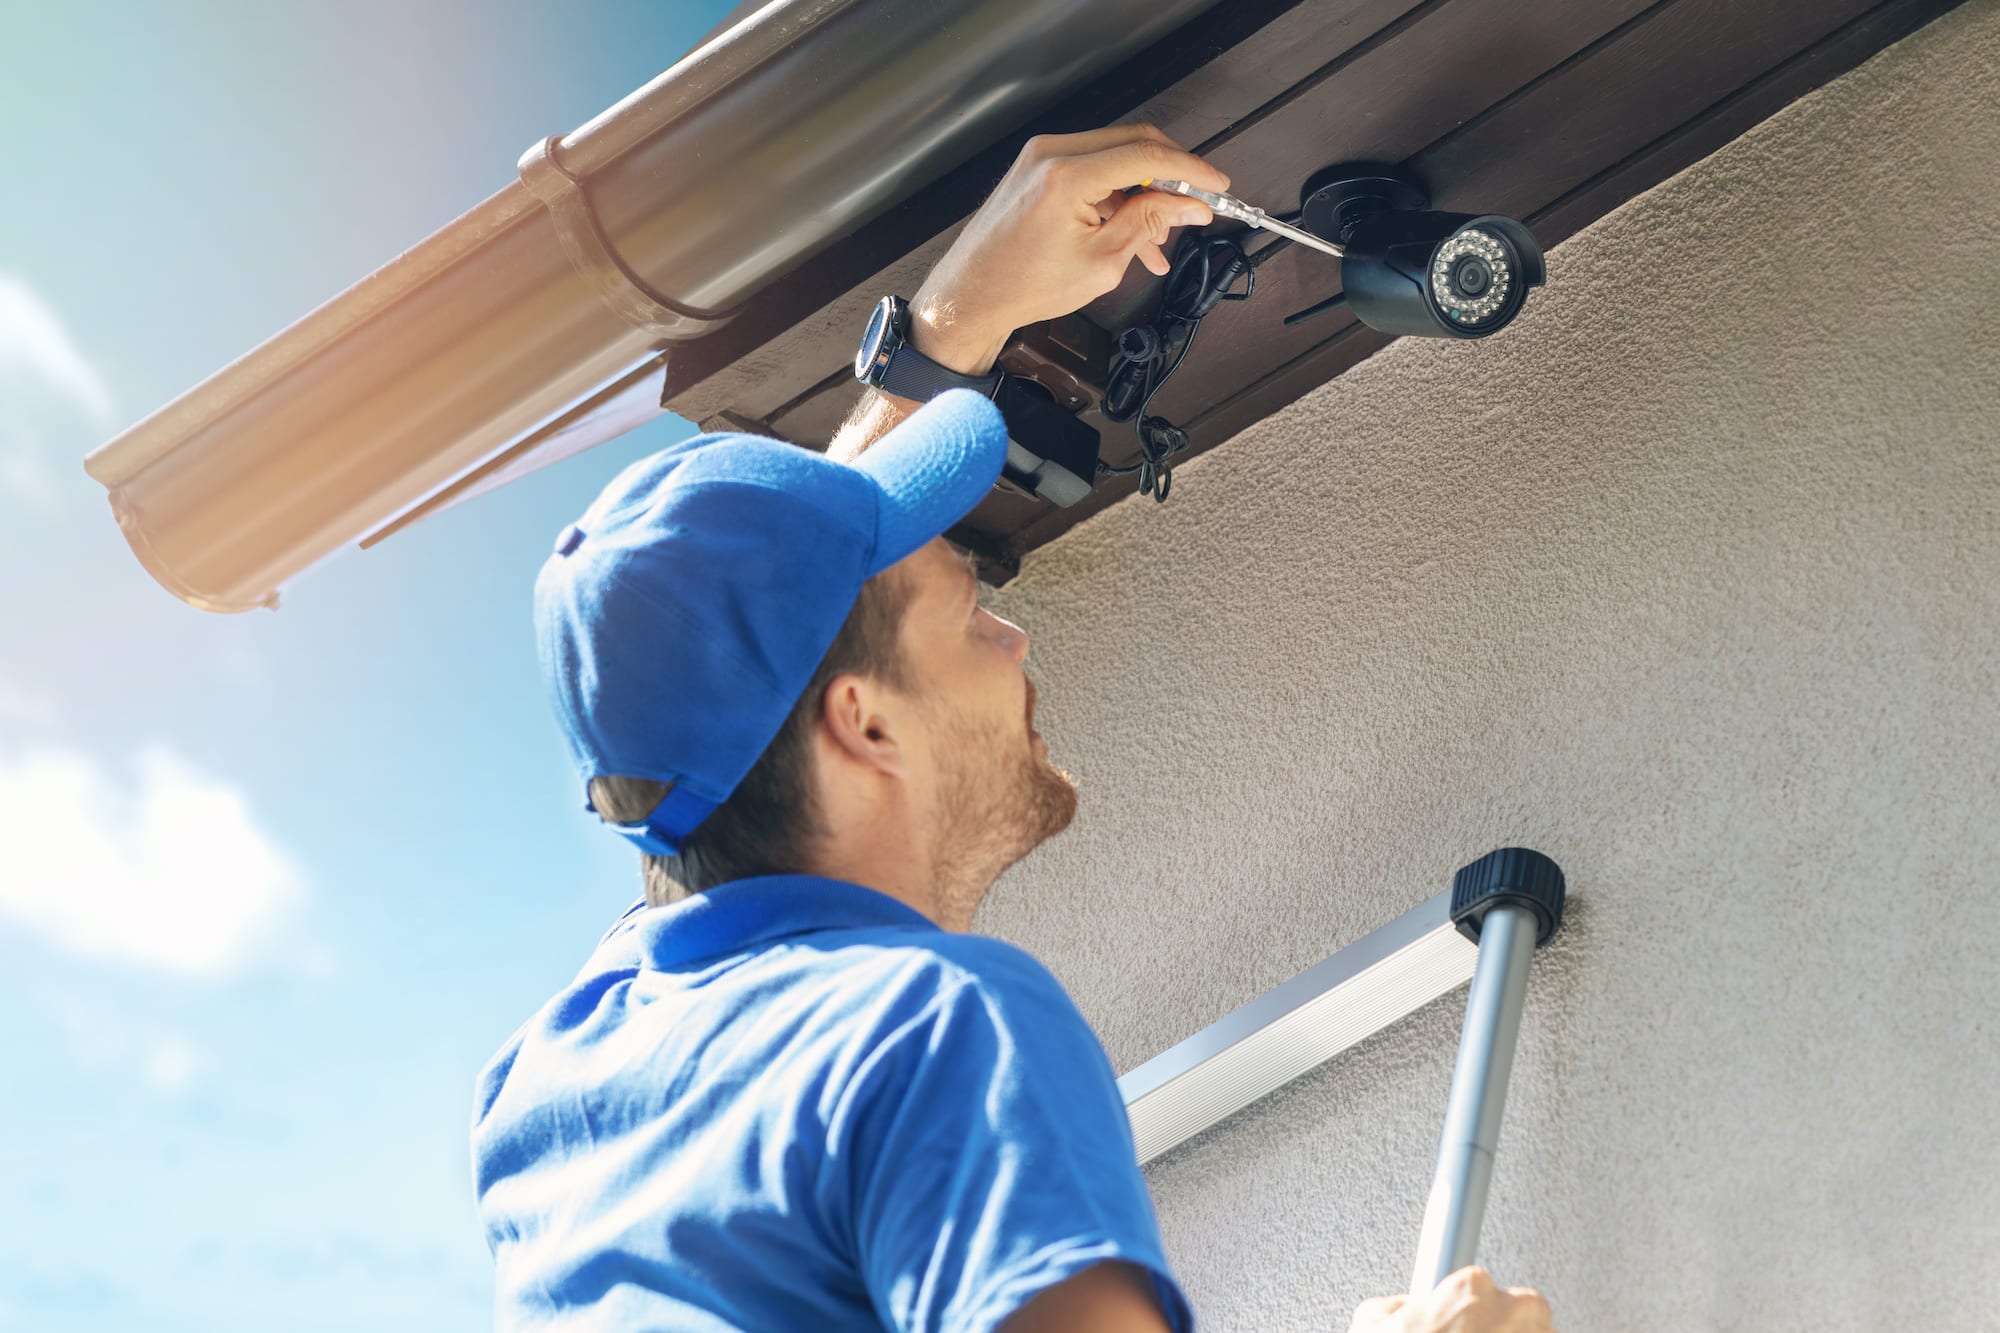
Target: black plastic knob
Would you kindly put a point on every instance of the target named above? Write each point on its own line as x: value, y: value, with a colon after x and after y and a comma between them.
x: 1510, y: 877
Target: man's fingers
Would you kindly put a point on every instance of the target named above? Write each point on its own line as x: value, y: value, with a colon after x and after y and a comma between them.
x: 1372, y: 1314
x: 1059, y: 230
x: 1473, y: 1280
x: 1094, y: 175
x: 1147, y: 217
x: 1534, y: 1300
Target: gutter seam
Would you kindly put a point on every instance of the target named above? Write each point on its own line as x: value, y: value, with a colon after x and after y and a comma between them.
x: 594, y: 259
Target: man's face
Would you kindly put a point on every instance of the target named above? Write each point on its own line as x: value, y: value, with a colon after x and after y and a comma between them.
x: 996, y: 794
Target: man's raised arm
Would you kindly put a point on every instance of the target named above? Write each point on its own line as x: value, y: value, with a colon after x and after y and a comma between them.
x: 1058, y: 232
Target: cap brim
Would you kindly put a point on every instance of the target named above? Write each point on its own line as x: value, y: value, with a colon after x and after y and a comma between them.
x: 933, y: 470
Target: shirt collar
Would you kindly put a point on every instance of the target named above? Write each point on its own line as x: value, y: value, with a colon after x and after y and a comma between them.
x: 747, y: 913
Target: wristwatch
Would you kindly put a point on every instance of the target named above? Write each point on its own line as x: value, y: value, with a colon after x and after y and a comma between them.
x: 1049, y: 452
x: 887, y: 361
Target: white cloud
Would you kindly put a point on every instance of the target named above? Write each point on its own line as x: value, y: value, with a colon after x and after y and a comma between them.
x: 48, y: 389
x: 169, y: 871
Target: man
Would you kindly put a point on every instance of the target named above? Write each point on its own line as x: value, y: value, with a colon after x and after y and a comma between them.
x: 788, y: 1092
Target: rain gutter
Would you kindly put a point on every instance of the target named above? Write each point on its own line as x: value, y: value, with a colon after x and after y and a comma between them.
x: 544, y: 314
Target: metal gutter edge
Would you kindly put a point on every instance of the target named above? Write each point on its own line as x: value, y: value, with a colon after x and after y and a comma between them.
x: 154, y: 435
x: 701, y: 73
x: 638, y: 232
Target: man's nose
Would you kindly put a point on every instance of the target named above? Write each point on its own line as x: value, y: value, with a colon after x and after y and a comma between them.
x: 1017, y: 638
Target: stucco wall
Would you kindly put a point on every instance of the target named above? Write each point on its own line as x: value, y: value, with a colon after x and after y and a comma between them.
x: 1691, y: 579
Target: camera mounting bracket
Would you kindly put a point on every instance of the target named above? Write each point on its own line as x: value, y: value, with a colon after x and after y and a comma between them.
x: 1335, y: 199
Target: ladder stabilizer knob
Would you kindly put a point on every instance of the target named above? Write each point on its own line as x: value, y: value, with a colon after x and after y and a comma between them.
x: 1510, y: 877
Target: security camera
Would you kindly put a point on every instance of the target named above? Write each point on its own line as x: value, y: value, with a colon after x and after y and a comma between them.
x: 1442, y: 275
x: 1409, y: 270
x: 1404, y: 269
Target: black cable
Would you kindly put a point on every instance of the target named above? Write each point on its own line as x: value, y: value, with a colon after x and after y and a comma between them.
x: 1200, y: 276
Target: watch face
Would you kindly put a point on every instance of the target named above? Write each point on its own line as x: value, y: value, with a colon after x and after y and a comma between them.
x: 880, y: 326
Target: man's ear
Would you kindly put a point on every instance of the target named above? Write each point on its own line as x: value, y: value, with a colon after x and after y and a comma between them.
x: 865, y: 723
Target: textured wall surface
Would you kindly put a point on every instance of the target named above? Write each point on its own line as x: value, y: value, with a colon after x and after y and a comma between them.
x: 1691, y: 578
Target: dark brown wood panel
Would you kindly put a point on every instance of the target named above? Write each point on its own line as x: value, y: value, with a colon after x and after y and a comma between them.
x: 1386, y: 103
x: 1554, y: 111
x: 1543, y: 138
x: 1361, y: 105
x: 1778, y: 88
x: 1790, y: 68
x: 1547, y: 134
x: 812, y: 420
x: 782, y: 382
x: 1218, y: 69
x: 1284, y: 53
x: 1561, y: 131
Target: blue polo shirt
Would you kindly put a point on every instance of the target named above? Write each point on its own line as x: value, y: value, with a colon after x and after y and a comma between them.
x: 793, y: 1103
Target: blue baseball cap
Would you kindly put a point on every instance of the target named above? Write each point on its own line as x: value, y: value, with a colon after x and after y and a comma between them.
x: 682, y: 616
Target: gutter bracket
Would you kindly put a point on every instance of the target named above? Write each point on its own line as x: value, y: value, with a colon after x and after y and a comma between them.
x: 597, y: 263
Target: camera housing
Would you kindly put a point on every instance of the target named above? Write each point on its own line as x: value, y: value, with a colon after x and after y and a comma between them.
x: 1411, y: 271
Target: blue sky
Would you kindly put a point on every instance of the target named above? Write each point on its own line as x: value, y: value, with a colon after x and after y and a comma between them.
x: 272, y: 887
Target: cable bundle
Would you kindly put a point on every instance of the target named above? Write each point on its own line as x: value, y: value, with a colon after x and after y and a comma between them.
x: 1203, y: 270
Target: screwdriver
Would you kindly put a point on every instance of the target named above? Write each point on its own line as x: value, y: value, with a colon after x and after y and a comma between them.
x: 1229, y: 206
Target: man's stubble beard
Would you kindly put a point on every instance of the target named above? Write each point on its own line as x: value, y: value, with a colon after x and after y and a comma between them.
x: 997, y: 801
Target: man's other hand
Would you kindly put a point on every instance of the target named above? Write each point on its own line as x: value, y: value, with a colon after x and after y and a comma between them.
x: 1058, y: 232
x: 1466, y: 1302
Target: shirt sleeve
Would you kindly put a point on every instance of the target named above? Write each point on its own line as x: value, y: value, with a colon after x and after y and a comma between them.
x: 986, y: 1156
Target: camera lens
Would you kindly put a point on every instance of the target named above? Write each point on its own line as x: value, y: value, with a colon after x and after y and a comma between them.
x: 1471, y: 276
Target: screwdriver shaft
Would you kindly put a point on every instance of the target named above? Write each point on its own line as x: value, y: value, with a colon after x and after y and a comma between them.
x: 1229, y: 206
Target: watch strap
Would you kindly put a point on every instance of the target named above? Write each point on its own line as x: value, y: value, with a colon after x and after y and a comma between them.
x: 910, y: 374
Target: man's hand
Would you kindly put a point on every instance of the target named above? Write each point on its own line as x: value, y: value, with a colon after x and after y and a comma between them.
x: 1466, y: 1302
x: 1057, y: 233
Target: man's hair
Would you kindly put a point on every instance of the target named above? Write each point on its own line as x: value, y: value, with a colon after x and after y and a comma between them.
x: 769, y: 823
